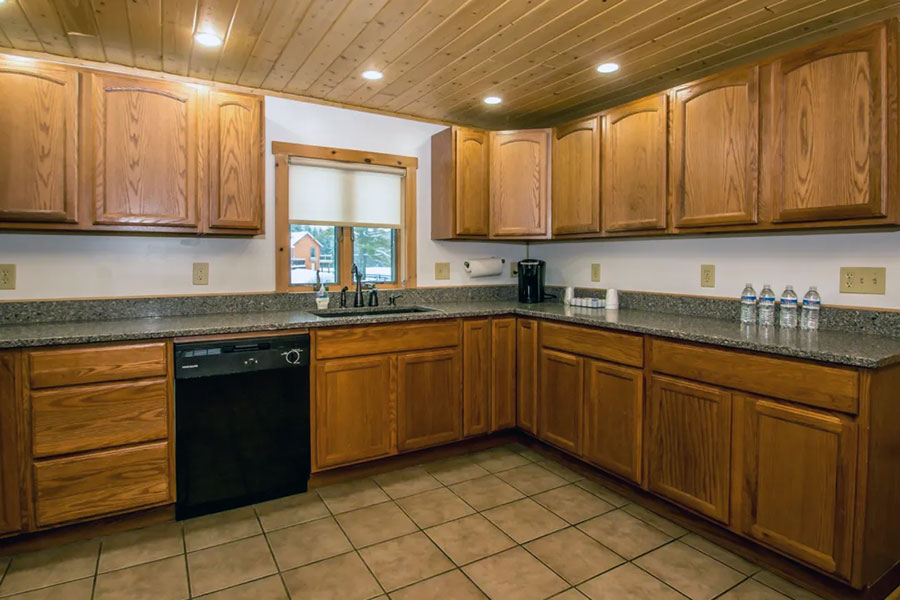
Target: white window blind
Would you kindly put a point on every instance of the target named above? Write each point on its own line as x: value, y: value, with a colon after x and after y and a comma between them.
x: 326, y: 192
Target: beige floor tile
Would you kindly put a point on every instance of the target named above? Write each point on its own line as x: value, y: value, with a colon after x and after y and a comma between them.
x: 514, y: 574
x: 269, y: 588
x: 435, y: 507
x: 469, y: 539
x: 44, y: 568
x: 752, y: 590
x: 625, y: 535
x: 453, y: 585
x: 561, y: 470
x: 343, y: 577
x: 344, y: 497
x: 456, y: 469
x: 291, y: 510
x: 720, y: 554
x: 81, y: 589
x: 294, y: 547
x: 373, y: 524
x: 404, y: 561
x: 689, y: 571
x: 220, y: 528
x: 531, y: 479
x: 603, y: 492
x: 572, y: 594
x: 573, y: 503
x: 499, y: 459
x: 528, y: 453
x: 648, y: 516
x: 627, y: 583
x: 486, y: 492
x: 406, y: 482
x: 574, y: 555
x: 165, y: 579
x: 789, y: 589
x: 231, y: 564
x: 524, y: 520
x: 140, y: 546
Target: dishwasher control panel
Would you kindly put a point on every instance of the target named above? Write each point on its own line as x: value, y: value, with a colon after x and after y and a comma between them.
x: 204, y: 359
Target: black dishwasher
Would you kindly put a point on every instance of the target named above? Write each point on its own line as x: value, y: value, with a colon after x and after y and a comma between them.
x: 241, y: 422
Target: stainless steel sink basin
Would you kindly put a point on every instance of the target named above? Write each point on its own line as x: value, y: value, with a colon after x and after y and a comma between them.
x: 371, y: 312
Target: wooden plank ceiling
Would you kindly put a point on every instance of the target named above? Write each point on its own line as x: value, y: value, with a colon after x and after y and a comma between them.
x: 439, y: 58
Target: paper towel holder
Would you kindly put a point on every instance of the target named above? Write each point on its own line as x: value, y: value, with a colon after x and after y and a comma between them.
x: 466, y: 263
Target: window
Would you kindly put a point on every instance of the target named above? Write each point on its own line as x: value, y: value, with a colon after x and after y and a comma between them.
x: 337, y: 208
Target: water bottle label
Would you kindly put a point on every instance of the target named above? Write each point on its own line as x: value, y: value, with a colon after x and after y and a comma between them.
x: 814, y: 304
x: 767, y: 300
x: 789, y: 301
x: 748, y: 299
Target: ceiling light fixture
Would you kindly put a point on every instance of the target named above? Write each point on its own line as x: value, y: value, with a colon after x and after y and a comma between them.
x: 493, y: 100
x: 204, y: 38
x: 608, y: 68
x: 372, y: 75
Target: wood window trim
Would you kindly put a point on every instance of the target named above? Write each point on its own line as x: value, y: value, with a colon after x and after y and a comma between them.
x: 406, y: 236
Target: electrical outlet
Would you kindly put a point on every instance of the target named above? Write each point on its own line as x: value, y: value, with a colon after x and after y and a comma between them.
x: 862, y: 280
x: 708, y: 276
x: 7, y: 277
x: 201, y: 273
x: 595, y: 272
x: 442, y: 270
x: 513, y: 269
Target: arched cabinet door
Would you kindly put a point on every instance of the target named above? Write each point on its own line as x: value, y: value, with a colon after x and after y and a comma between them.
x: 39, y: 129
x: 519, y: 178
x: 576, y: 177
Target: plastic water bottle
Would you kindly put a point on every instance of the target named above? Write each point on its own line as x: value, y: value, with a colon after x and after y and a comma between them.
x: 748, y: 304
x: 809, y: 315
x: 788, y: 313
x: 766, y: 311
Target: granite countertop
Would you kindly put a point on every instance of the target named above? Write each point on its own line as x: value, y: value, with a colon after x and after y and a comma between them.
x: 838, y: 347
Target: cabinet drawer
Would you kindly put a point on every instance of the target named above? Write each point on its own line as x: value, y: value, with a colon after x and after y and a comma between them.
x: 95, y: 364
x: 597, y: 343
x: 834, y: 388
x: 379, y: 339
x: 101, y: 483
x: 74, y: 419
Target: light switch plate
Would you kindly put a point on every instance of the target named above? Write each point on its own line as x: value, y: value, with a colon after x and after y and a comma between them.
x: 7, y: 277
x: 595, y: 272
x: 442, y: 270
x: 863, y: 280
x: 708, y: 276
x: 513, y: 269
x: 201, y: 273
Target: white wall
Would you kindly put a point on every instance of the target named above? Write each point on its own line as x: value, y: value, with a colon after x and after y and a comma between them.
x: 672, y: 265
x: 78, y: 266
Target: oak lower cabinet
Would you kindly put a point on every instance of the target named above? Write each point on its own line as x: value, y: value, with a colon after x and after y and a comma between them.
x: 10, y: 457
x: 520, y: 181
x: 503, y: 373
x: 576, y: 177
x: 477, y: 376
x: 527, y: 346
x: 799, y: 480
x: 429, y: 399
x: 560, y: 401
x: 689, y: 445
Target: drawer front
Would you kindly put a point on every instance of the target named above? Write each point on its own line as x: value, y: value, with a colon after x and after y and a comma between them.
x: 75, y: 419
x: 380, y: 339
x: 834, y: 388
x: 95, y: 364
x: 101, y: 483
x: 616, y: 347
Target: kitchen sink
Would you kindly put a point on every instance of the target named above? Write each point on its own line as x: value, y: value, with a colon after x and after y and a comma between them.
x: 371, y: 312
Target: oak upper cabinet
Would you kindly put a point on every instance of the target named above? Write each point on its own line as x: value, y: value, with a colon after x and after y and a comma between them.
x: 519, y: 183
x: 526, y: 374
x: 829, y: 132
x: 576, y: 177
x: 503, y: 373
x: 145, y: 152
x: 460, y: 183
x: 799, y: 478
x: 355, y: 408
x: 560, y: 401
x: 476, y: 335
x: 689, y: 448
x: 429, y: 399
x: 613, y: 418
x: 715, y: 150
x: 634, y: 166
x: 235, y: 163
x: 39, y: 120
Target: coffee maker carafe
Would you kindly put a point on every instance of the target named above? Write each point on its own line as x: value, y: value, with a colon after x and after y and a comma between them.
x: 531, y: 280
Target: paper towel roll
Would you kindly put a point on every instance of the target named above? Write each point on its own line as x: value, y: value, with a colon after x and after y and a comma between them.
x: 484, y: 267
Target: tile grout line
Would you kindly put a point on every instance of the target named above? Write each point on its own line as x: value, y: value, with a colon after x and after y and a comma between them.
x: 96, y: 569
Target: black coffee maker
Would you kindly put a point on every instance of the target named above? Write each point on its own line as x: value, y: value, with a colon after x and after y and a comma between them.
x: 531, y: 280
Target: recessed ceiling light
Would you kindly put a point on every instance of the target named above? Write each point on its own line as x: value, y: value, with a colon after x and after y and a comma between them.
x: 493, y: 100
x: 372, y: 75
x: 608, y: 68
x: 204, y: 38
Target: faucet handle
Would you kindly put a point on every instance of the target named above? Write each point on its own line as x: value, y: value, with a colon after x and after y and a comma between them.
x: 392, y: 299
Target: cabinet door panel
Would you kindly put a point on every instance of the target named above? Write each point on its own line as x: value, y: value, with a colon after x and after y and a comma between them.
x: 560, y: 402
x: 472, y: 182
x: 576, y: 177
x: 10, y: 454
x: 429, y: 399
x: 527, y: 374
x: 634, y: 165
x: 503, y: 373
x: 519, y: 183
x: 145, y: 152
x: 476, y: 376
x: 829, y: 101
x: 799, y: 478
x: 235, y: 145
x: 715, y: 150
x: 354, y: 410
x: 689, y: 449
x: 39, y: 121
x: 613, y: 418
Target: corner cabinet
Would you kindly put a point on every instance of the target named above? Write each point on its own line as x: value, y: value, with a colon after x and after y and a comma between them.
x: 460, y: 184
x: 519, y: 183
x: 576, y: 177
x: 560, y: 401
